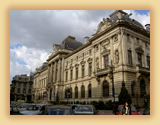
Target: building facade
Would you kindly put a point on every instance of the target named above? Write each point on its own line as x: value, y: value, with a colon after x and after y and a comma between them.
x: 118, y: 51
x: 22, y: 88
x: 39, y: 91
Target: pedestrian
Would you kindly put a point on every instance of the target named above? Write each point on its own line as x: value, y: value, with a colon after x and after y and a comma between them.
x: 126, y: 110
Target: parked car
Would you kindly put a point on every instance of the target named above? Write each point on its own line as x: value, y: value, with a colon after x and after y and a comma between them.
x: 58, y: 110
x: 85, y: 110
x: 74, y: 106
x: 133, y: 110
x: 146, y: 110
x: 35, y: 109
x: 23, y: 107
x: 14, y: 110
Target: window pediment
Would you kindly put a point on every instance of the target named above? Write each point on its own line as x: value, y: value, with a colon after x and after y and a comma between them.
x: 89, y: 60
x: 83, y: 62
x: 139, y: 50
x: 105, y: 51
x: 76, y: 65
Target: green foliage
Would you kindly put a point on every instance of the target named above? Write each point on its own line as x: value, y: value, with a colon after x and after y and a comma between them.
x: 124, y: 95
x: 109, y: 105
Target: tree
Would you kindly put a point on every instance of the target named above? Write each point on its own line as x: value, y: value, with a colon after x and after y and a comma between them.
x: 124, y: 95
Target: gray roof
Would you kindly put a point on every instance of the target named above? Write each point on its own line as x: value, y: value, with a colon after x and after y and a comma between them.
x: 126, y: 18
x: 70, y: 43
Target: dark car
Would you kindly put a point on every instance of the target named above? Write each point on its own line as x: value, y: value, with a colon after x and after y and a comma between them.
x: 85, y: 110
x: 133, y: 110
x: 146, y: 111
x: 35, y: 109
x: 58, y: 110
x: 74, y: 106
x: 14, y: 110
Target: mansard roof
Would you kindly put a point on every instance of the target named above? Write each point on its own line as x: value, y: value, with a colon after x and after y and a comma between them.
x: 70, y: 43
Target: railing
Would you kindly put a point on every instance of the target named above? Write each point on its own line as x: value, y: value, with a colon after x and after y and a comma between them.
x: 104, y: 71
x: 141, y: 69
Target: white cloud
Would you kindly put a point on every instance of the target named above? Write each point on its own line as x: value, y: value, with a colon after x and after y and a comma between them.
x: 32, y: 58
x: 142, y: 18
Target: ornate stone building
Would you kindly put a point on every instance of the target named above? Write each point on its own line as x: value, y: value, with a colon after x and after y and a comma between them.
x: 22, y: 88
x: 118, y: 51
x: 39, y: 92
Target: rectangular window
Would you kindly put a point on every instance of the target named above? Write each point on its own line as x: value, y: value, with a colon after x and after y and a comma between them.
x: 83, y: 69
x: 24, y: 90
x: 129, y: 57
x: 19, y: 84
x: 106, y: 60
x: 77, y: 58
x: 18, y: 90
x: 90, y: 68
x: 77, y: 73
x: 71, y: 75
x: 90, y: 52
x: 140, y: 59
x: 148, y: 61
x: 82, y: 56
x: 66, y: 76
x: 71, y: 61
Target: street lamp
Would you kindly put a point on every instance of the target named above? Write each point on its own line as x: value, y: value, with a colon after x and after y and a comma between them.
x: 113, y: 92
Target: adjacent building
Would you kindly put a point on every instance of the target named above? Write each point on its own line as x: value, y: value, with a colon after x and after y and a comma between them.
x: 118, y: 51
x: 39, y: 91
x: 21, y: 88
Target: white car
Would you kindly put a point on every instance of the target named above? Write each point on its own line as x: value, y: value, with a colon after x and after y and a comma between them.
x: 23, y: 107
x: 35, y: 109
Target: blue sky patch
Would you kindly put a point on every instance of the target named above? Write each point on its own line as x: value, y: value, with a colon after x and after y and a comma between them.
x: 142, y: 11
x: 21, y: 62
x: 16, y: 46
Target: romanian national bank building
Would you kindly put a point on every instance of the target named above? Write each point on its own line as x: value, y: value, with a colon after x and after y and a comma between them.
x: 94, y: 71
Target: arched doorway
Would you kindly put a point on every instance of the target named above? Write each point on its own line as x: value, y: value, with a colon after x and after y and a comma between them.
x: 105, y: 87
x: 142, y: 88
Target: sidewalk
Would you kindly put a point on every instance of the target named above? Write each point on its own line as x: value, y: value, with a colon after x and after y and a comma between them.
x: 105, y: 112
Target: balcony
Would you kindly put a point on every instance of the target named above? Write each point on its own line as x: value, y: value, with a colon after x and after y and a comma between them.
x: 105, y: 71
x: 144, y: 70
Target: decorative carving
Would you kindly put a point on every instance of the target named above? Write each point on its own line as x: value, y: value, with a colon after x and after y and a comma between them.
x: 83, y: 62
x: 139, y: 50
x: 89, y: 60
x: 105, y: 51
x: 116, y: 57
x: 97, y: 63
x: 76, y: 65
x: 115, y: 38
x: 104, y: 24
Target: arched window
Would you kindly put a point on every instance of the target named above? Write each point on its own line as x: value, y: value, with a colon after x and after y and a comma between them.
x: 142, y: 88
x: 76, y: 92
x: 105, y: 89
x: 133, y: 88
x: 50, y: 94
x: 70, y: 92
x: 65, y: 93
x: 89, y: 91
x: 82, y: 91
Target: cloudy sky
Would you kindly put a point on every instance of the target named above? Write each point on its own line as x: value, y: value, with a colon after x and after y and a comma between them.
x: 33, y: 32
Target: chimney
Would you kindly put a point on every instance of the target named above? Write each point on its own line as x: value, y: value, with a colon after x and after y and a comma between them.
x: 86, y: 39
x: 147, y: 27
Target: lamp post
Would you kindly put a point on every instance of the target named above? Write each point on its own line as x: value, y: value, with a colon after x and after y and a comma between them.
x: 113, y: 92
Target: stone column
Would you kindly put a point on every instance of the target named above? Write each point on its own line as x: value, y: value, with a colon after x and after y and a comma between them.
x: 94, y: 60
x: 100, y: 56
x: 55, y: 64
x: 124, y: 46
x: 111, y: 50
x: 133, y: 50
x: 48, y: 73
x: 62, y: 71
x: 144, y: 59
